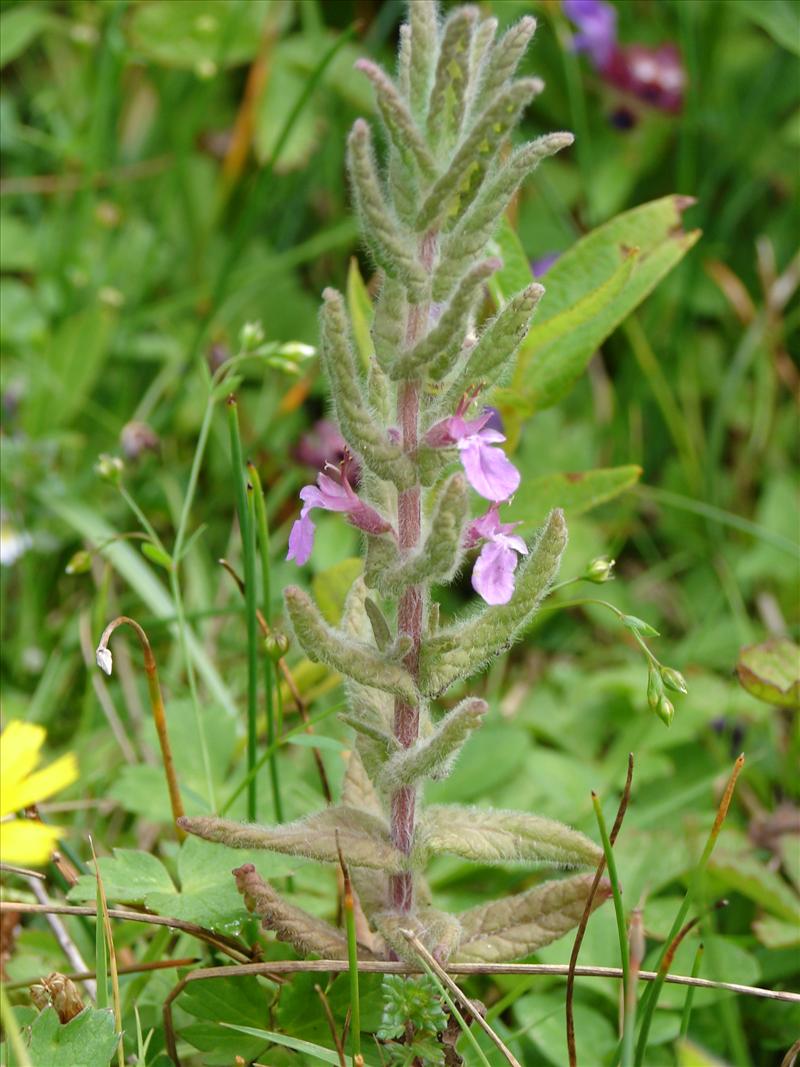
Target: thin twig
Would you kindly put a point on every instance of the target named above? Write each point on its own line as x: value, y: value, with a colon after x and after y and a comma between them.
x: 131, y: 968
x: 446, y: 980
x: 66, y: 944
x: 103, y: 655
x: 791, y: 1056
x: 229, y: 945
x: 48, y: 184
x: 587, y: 911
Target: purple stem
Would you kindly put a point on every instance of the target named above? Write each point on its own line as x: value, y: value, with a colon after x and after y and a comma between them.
x: 410, y: 608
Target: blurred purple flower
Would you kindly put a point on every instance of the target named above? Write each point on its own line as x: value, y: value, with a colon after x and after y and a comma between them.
x: 597, y: 26
x: 330, y: 494
x: 544, y: 263
x: 321, y: 446
x: 653, y: 75
x: 493, y: 574
x: 489, y: 471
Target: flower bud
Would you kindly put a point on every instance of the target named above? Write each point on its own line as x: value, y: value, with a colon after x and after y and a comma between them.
x: 655, y: 688
x: 600, y: 570
x: 104, y: 660
x: 639, y: 626
x: 277, y: 645
x: 79, y: 563
x: 674, y: 680
x: 136, y: 438
x: 109, y: 468
x: 665, y: 711
x: 251, y: 336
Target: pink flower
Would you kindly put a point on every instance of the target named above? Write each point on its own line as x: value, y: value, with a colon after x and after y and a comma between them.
x: 493, y: 573
x: 489, y: 471
x: 331, y: 494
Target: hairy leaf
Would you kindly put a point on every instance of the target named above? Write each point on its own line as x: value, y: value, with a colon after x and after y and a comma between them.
x: 364, y: 838
x: 508, y: 929
x: 488, y: 836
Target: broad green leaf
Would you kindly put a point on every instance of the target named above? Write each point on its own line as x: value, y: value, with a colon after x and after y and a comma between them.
x: 157, y: 555
x: 589, y: 291
x: 331, y: 587
x: 771, y: 672
x: 541, y: 1016
x: 202, y: 35
x: 300, y: 1012
x: 775, y: 933
x: 359, y: 307
x: 20, y: 27
x: 71, y: 365
x: 724, y: 960
x: 575, y: 492
x: 241, y: 1001
x: 516, y: 272
x: 207, y: 894
x: 691, y: 1055
x: 128, y: 875
x: 743, y: 873
x: 780, y: 19
x: 88, y: 1040
x: 17, y: 239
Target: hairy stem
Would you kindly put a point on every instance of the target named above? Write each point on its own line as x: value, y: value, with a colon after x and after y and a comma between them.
x: 410, y: 607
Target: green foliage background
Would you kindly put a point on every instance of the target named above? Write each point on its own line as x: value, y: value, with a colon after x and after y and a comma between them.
x: 134, y: 246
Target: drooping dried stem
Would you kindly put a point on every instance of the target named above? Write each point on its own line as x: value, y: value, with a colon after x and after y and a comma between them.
x: 156, y: 702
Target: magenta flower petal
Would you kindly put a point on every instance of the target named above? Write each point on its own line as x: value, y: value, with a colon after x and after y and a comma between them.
x: 493, y: 574
x: 301, y: 539
x: 489, y: 471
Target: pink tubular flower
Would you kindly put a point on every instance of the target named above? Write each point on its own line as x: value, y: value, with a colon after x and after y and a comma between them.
x: 493, y: 574
x: 489, y: 471
x: 331, y: 494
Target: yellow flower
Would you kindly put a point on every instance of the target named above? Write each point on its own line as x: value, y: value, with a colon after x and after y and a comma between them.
x: 24, y: 841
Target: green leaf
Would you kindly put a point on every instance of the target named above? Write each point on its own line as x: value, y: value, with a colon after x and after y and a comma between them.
x: 332, y: 586
x: 359, y: 307
x: 233, y: 1001
x: 691, y: 1055
x: 127, y: 876
x: 770, y: 672
x: 775, y: 933
x: 157, y: 555
x: 743, y: 873
x: 199, y: 34
x: 17, y: 238
x: 65, y: 377
x: 542, y: 1017
x: 590, y: 290
x: 20, y: 27
x: 207, y: 896
x: 515, y: 274
x: 780, y: 19
x: 575, y: 492
x: 88, y: 1040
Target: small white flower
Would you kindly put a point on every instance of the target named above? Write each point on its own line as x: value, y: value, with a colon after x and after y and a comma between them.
x: 104, y: 660
x: 13, y: 544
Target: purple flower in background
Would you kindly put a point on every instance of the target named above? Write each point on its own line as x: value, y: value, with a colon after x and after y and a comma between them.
x: 544, y: 263
x: 323, y: 444
x: 493, y: 574
x: 331, y: 494
x: 653, y: 75
x: 597, y: 29
x: 489, y: 471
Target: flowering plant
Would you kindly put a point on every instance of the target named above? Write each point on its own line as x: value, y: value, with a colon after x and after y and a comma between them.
x: 419, y: 428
